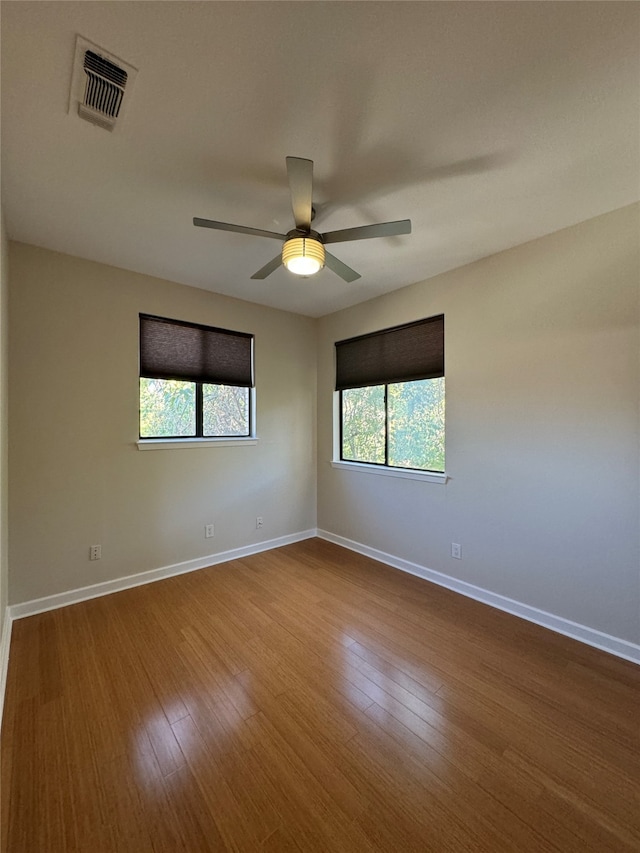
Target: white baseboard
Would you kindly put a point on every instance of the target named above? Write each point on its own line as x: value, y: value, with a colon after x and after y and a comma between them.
x: 73, y: 596
x: 589, y: 636
x: 5, y: 642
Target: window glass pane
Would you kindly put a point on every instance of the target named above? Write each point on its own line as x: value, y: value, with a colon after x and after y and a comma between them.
x: 416, y: 424
x: 167, y: 408
x: 225, y: 410
x: 363, y: 424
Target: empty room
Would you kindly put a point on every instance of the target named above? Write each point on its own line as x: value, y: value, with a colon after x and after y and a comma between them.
x: 320, y: 427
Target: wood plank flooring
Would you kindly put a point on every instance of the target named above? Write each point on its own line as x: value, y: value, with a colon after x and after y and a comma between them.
x: 310, y: 699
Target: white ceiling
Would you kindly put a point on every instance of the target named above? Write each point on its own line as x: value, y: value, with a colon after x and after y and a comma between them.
x: 486, y: 124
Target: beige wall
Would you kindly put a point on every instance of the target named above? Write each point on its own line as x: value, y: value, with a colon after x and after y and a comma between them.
x: 4, y: 431
x: 76, y: 475
x: 543, y: 382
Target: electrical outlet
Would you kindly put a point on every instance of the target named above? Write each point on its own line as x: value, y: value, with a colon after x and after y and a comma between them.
x: 456, y: 550
x: 208, y: 531
x: 259, y: 523
x: 95, y: 552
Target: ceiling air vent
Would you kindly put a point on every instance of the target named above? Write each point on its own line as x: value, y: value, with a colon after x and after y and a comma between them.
x: 100, y: 85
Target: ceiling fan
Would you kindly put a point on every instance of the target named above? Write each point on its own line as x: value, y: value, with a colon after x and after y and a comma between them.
x: 303, y: 251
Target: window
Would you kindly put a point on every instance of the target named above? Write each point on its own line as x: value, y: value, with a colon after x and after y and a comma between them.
x: 195, y: 381
x: 391, y: 387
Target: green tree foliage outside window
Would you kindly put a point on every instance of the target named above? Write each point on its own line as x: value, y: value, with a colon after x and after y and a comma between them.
x: 225, y: 410
x: 168, y: 409
x: 399, y: 425
x: 363, y: 424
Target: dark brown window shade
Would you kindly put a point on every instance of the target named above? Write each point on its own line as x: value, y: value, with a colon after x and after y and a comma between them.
x: 172, y: 349
x: 400, y: 354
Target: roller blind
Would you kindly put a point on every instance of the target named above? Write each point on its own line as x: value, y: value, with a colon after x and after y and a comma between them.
x: 172, y: 349
x: 400, y: 354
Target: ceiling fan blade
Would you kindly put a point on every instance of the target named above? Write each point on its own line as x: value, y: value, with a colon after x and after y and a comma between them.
x: 300, y: 173
x: 345, y: 272
x: 365, y: 232
x: 240, y: 229
x: 267, y: 269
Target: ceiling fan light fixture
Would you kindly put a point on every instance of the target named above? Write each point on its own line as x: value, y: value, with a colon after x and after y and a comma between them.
x: 303, y: 255
x: 302, y: 249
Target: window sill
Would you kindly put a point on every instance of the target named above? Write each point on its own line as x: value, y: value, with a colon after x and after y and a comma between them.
x: 405, y: 473
x: 183, y: 443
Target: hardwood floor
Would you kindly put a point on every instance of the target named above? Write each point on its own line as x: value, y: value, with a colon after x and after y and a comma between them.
x: 310, y: 699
